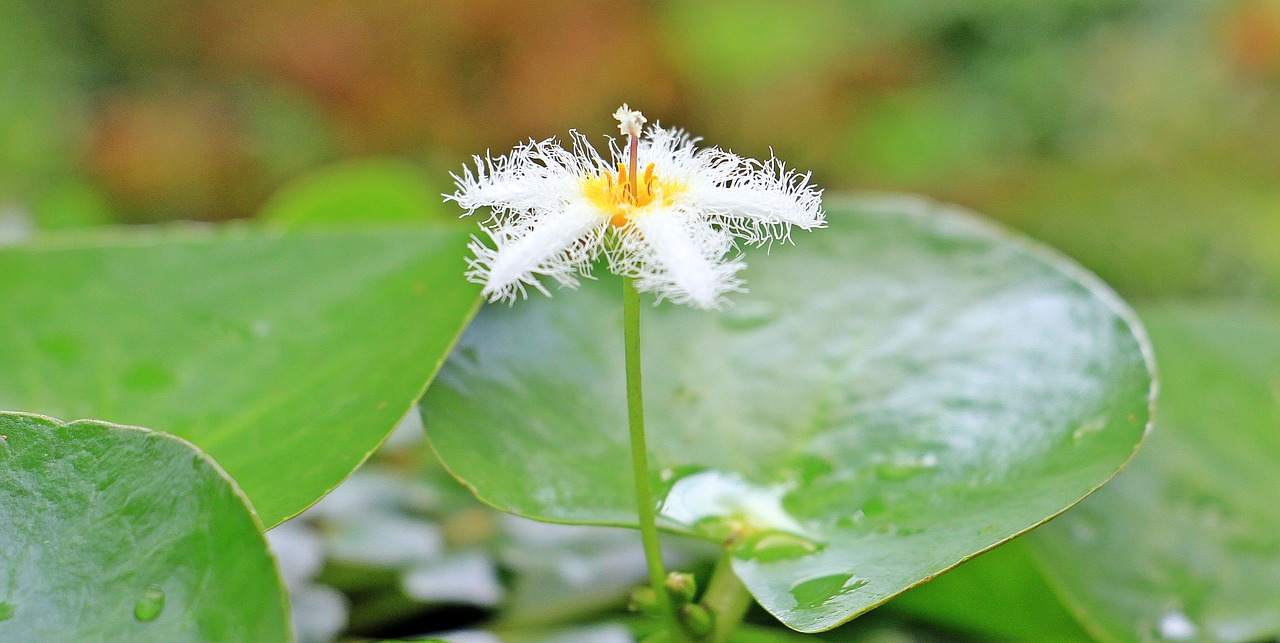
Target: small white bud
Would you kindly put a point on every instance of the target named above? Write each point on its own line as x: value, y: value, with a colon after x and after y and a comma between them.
x: 630, y: 121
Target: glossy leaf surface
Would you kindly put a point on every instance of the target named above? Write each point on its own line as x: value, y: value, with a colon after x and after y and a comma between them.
x: 896, y: 394
x: 115, y: 533
x: 1185, y: 544
x: 288, y: 357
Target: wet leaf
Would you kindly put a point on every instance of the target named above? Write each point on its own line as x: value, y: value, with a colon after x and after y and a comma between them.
x: 1185, y: 544
x: 116, y: 533
x: 288, y: 357
x: 896, y: 394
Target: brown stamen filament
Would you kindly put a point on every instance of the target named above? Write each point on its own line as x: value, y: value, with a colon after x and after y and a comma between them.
x: 635, y: 159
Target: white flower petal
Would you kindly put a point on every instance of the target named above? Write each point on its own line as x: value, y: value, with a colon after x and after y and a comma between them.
x: 757, y: 202
x: 559, y: 244
x: 536, y: 174
x: 680, y: 256
x: 761, y: 201
x: 497, y: 184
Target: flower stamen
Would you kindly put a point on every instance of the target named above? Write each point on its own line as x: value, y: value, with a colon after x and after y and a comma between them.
x: 619, y: 198
x: 635, y: 159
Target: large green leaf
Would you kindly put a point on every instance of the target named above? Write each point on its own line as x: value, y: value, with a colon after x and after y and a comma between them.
x: 1185, y: 544
x: 1001, y: 595
x: 288, y: 357
x: 896, y: 394
x: 115, y: 533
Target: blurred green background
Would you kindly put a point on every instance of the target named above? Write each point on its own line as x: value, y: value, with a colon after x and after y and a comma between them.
x: 1140, y: 136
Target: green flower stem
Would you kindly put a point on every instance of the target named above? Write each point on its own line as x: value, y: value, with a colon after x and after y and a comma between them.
x: 640, y: 458
x: 727, y: 599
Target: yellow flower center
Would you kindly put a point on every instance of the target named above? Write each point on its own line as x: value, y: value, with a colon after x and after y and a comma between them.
x: 613, y: 195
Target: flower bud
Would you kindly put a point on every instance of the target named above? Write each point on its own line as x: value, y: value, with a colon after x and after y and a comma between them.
x: 643, y: 600
x: 682, y: 587
x: 697, y: 620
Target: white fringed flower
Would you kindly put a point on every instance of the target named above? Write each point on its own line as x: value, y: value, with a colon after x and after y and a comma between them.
x: 661, y: 210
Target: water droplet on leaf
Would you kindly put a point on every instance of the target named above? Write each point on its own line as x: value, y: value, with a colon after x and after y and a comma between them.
x: 6, y: 610
x: 150, y: 604
x: 814, y: 592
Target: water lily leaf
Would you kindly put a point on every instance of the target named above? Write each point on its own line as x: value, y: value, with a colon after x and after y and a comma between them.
x: 895, y: 395
x: 1000, y: 595
x: 116, y: 533
x: 1185, y: 544
x: 288, y: 357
